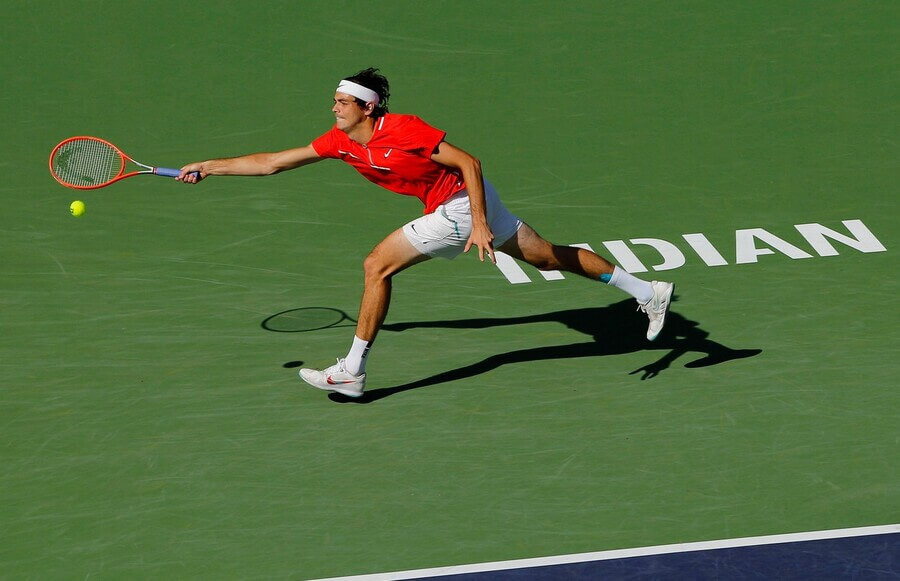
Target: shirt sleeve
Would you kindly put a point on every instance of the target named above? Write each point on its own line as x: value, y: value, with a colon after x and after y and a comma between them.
x: 422, y: 137
x: 326, y: 144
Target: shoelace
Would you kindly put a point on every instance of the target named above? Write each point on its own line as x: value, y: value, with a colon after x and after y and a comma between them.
x: 644, y: 308
x: 338, y: 367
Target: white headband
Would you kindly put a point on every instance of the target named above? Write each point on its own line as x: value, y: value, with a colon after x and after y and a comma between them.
x: 358, y: 91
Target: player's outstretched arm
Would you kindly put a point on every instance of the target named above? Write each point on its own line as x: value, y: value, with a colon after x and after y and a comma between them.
x: 254, y: 164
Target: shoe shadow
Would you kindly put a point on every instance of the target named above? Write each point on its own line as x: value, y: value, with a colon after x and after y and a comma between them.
x: 613, y: 330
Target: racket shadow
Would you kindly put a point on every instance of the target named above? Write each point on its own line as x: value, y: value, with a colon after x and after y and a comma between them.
x: 306, y: 319
x: 612, y: 330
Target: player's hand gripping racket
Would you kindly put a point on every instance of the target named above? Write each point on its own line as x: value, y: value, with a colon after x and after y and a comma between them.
x: 88, y: 163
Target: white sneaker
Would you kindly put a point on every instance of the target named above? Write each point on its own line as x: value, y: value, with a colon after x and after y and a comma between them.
x: 335, y: 378
x: 657, y: 307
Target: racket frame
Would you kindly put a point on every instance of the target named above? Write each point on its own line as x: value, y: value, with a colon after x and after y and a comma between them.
x: 121, y: 175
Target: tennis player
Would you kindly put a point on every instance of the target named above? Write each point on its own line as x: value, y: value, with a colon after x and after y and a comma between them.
x: 405, y: 155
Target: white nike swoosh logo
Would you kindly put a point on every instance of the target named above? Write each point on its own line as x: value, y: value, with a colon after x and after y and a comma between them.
x: 388, y: 152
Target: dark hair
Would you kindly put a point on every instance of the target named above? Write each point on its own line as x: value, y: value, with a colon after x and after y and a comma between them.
x: 371, y: 79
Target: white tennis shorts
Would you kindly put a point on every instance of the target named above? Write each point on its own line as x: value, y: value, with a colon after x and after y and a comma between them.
x: 444, y: 232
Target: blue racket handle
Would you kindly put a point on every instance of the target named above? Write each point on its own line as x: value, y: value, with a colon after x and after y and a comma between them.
x: 169, y: 172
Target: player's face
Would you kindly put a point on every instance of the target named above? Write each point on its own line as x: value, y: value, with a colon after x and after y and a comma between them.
x: 347, y: 112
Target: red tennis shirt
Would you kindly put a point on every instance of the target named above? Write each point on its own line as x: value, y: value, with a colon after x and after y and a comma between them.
x: 398, y: 158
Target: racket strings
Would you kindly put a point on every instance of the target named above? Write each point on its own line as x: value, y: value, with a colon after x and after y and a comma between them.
x: 86, y: 162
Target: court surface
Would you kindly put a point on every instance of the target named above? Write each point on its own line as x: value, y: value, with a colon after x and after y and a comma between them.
x: 153, y: 423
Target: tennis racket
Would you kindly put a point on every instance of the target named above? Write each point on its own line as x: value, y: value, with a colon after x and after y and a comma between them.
x: 88, y: 163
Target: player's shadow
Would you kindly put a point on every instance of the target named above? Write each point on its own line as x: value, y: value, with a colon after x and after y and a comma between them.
x: 614, y: 330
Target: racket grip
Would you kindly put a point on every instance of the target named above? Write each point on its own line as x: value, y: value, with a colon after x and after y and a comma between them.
x: 169, y: 172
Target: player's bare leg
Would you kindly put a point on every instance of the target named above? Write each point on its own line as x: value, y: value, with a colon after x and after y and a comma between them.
x: 390, y: 256
x: 527, y: 245
x: 652, y: 297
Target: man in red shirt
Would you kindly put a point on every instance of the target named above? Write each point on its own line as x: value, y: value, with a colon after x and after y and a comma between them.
x: 407, y: 156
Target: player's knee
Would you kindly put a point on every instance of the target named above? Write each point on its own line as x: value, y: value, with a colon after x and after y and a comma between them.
x: 550, y: 266
x: 371, y: 265
x: 548, y: 258
x: 374, y: 268
x: 543, y: 262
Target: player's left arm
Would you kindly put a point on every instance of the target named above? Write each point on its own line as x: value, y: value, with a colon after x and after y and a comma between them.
x: 470, y: 168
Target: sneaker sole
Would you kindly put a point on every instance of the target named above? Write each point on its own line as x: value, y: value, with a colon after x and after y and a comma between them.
x: 346, y: 392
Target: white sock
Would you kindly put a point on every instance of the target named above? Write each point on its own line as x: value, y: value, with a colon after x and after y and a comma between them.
x: 639, y: 289
x: 355, y: 362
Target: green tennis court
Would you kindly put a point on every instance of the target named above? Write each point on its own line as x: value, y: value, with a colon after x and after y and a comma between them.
x: 153, y: 423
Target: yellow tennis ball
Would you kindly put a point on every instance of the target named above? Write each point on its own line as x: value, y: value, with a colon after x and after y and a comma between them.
x: 77, y: 208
